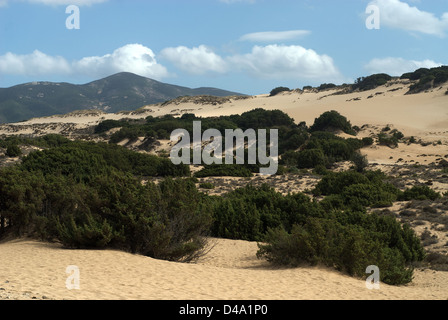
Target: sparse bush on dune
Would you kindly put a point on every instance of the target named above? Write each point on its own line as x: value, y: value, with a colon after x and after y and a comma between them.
x: 277, y: 90
x: 419, y: 193
x: 332, y: 120
x: 13, y: 151
x: 371, y: 82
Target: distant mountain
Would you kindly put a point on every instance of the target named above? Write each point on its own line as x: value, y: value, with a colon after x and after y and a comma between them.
x: 120, y: 92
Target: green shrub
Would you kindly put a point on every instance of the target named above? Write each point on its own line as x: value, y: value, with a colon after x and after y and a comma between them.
x: 348, y: 248
x: 107, y: 125
x: 311, y: 158
x: 360, y: 161
x: 371, y: 82
x: 224, y: 170
x: 419, y: 193
x: 207, y: 185
x: 332, y: 120
x: 13, y: 151
x: 367, y: 141
x: 335, y: 183
x: 390, y: 139
x: 278, y: 90
x: 326, y: 86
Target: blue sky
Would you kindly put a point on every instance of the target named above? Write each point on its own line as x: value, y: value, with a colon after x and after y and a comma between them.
x: 248, y: 46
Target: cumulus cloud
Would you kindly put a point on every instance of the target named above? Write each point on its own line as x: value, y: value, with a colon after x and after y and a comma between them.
x: 273, y: 36
x: 198, y: 60
x: 36, y: 63
x: 134, y: 58
x: 400, y: 15
x: 398, y: 66
x: 271, y: 61
x: 279, y: 61
x: 263, y: 62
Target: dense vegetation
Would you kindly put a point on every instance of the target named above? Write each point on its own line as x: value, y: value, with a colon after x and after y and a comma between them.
x: 277, y: 90
x: 295, y: 230
x: 90, y: 195
x: 371, y: 82
x: 426, y: 78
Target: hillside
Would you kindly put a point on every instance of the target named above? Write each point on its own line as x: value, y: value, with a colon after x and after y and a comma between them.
x: 119, y: 92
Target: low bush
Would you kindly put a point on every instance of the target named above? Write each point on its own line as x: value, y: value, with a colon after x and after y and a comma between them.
x: 332, y: 120
x: 371, y: 82
x: 207, y: 185
x: 224, y: 170
x: 13, y: 151
x: 419, y: 193
x: 277, y: 90
x: 346, y: 247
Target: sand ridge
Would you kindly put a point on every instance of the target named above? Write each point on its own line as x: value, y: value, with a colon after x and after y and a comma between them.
x: 230, y: 271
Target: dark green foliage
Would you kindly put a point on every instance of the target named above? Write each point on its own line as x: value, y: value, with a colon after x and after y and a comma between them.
x: 349, y: 245
x: 13, y: 151
x: 107, y: 125
x: 277, y: 90
x: 112, y: 210
x: 322, y: 148
x: 311, y: 158
x: 224, y: 170
x: 207, y: 185
x: 360, y: 161
x: 332, y: 120
x: 427, y: 78
x: 391, y: 138
x: 326, y: 86
x: 356, y: 190
x: 84, y: 160
x: 419, y: 193
x: 367, y: 141
x: 247, y: 213
x: 291, y: 135
x: 371, y: 82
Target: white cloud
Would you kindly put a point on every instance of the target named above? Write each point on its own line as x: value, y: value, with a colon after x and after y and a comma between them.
x: 36, y: 63
x: 133, y: 58
x: 199, y: 60
x: 273, y: 36
x: 400, y: 15
x: 296, y: 62
x: 266, y: 62
x: 263, y: 62
x: 398, y: 66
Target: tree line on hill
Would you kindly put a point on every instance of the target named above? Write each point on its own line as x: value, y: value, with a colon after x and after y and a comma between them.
x: 425, y: 79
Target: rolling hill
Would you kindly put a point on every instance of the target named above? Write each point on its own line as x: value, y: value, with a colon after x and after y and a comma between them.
x: 119, y: 92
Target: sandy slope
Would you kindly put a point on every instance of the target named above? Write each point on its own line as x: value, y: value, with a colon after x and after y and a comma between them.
x: 34, y: 270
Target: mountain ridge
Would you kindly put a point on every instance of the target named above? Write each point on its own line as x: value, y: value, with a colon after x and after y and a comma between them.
x: 122, y: 91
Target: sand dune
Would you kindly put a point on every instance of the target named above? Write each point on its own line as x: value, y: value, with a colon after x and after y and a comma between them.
x: 31, y: 269
x: 35, y: 270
